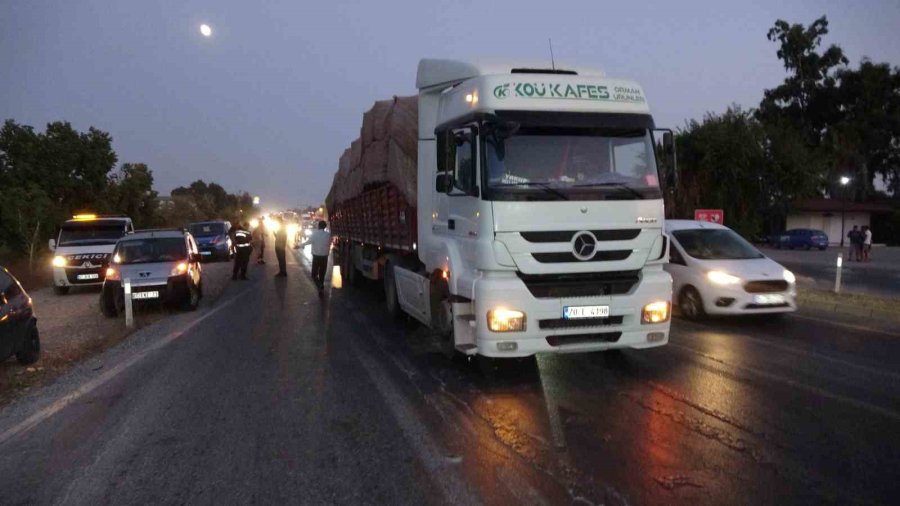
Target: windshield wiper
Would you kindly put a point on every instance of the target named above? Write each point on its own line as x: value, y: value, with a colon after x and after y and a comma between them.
x: 622, y: 186
x: 544, y: 186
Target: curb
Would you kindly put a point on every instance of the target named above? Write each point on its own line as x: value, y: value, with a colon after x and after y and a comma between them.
x: 849, y: 310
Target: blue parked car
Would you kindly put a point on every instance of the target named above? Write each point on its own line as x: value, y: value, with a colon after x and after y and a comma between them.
x: 806, y: 238
x: 213, y: 239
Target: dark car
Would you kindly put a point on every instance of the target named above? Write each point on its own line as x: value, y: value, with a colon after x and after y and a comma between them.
x: 213, y: 239
x: 162, y: 265
x: 806, y: 238
x: 18, y: 325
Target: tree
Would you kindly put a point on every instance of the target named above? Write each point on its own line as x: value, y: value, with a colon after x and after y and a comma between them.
x: 131, y: 193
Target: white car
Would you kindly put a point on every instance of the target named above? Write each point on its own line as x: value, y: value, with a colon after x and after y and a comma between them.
x: 715, y: 271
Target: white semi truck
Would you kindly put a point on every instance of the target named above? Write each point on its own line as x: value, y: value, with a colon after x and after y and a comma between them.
x: 535, y: 221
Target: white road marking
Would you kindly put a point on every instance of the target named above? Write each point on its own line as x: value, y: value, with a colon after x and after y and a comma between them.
x: 86, y: 388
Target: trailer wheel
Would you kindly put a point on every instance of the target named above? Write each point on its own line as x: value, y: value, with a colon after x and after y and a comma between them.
x: 348, y: 272
x: 390, y: 291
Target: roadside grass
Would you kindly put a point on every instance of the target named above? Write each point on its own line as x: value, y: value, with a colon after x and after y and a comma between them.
x: 855, y: 299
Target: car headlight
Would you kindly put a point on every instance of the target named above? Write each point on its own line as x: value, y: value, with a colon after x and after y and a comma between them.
x: 179, y: 269
x: 789, y: 276
x: 59, y: 261
x: 722, y: 278
x: 505, y: 320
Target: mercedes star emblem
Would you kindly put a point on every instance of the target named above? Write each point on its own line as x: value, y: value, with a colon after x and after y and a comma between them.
x: 583, y: 246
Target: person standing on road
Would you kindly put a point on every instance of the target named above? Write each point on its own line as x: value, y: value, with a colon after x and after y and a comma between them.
x: 321, y: 247
x: 259, y: 241
x: 280, y: 244
x: 243, y: 245
x: 854, y: 237
x: 867, y: 243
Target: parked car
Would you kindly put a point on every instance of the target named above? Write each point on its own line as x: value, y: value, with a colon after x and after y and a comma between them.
x: 82, y: 249
x: 18, y: 325
x: 162, y: 265
x: 716, y: 271
x: 806, y: 238
x: 213, y: 239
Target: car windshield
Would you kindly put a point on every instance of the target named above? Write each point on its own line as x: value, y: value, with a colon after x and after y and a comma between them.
x: 206, y: 229
x: 715, y: 244
x: 89, y: 235
x: 142, y: 251
x: 566, y: 163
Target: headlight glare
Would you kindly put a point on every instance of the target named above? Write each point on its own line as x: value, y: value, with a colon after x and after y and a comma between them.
x: 722, y: 278
x: 656, y: 312
x: 59, y: 261
x: 506, y: 320
x: 789, y: 276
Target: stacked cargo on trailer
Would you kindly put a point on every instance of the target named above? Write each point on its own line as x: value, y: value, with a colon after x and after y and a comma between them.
x: 520, y: 212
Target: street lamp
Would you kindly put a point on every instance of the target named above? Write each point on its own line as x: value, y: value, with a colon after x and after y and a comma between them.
x: 844, y: 182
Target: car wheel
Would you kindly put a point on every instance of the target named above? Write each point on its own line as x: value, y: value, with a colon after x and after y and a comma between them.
x: 108, y: 305
x: 31, y: 348
x: 391, y: 301
x: 691, y: 304
x: 822, y: 248
x: 193, y: 298
x: 60, y: 290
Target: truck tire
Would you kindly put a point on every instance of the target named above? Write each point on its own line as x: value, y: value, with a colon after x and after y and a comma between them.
x: 349, y: 274
x: 31, y: 347
x: 60, y: 290
x: 391, y: 302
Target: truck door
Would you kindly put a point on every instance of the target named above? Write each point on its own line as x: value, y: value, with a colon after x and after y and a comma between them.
x: 464, y: 194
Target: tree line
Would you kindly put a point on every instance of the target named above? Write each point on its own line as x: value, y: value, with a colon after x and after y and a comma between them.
x: 46, y: 177
x: 827, y: 119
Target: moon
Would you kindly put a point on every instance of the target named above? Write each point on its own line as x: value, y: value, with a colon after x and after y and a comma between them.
x: 205, y: 30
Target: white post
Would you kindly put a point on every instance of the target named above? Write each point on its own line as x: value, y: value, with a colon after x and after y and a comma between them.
x: 129, y: 314
x: 837, y: 274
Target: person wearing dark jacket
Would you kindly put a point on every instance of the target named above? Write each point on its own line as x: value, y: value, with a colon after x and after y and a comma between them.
x: 243, y: 246
x: 280, y: 244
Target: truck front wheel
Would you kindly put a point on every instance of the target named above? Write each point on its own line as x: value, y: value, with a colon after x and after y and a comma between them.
x: 442, y: 316
x: 390, y: 292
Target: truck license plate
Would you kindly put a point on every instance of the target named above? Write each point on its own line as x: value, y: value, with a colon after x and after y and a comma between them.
x: 87, y: 276
x: 145, y: 295
x: 574, y: 312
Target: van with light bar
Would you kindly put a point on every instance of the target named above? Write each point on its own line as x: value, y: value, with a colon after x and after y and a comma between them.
x: 515, y: 209
x: 82, y: 248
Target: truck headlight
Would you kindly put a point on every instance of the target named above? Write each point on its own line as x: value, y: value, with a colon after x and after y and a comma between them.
x: 789, y: 277
x: 59, y: 261
x: 506, y: 320
x: 722, y: 278
x: 656, y: 312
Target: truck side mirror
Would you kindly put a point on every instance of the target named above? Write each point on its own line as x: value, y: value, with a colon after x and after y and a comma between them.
x: 443, y: 182
x: 668, y: 143
x: 52, y: 244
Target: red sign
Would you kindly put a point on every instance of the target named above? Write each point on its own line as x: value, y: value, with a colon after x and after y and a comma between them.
x: 710, y: 215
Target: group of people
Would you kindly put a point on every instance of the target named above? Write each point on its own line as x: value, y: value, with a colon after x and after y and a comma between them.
x: 245, y: 241
x: 860, y: 243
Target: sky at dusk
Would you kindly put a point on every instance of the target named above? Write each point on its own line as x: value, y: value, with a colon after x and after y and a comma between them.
x: 271, y: 99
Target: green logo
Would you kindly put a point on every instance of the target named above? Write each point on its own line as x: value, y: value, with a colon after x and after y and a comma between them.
x: 567, y: 91
x: 502, y: 91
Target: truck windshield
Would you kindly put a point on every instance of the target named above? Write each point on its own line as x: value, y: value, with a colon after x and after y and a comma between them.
x: 577, y: 164
x: 715, y: 244
x: 89, y: 235
x: 142, y: 251
x: 206, y: 229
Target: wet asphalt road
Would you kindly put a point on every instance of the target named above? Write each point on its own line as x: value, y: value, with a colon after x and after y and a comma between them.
x: 282, y: 397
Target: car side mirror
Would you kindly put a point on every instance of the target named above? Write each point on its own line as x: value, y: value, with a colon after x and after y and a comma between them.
x: 52, y: 244
x: 443, y: 182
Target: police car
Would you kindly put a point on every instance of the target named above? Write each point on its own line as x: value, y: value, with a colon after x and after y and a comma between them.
x: 83, y: 247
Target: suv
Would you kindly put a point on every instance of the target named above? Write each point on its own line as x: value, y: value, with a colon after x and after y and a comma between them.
x: 163, y: 266
x: 82, y: 249
x: 18, y: 326
x: 213, y: 239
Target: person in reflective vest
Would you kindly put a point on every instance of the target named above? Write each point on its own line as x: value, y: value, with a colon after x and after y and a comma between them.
x: 243, y: 245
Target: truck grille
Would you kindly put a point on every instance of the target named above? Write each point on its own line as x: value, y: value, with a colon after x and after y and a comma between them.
x: 562, y: 323
x: 597, y: 337
x: 563, y: 257
x: 766, y: 286
x: 566, y: 236
x: 558, y: 286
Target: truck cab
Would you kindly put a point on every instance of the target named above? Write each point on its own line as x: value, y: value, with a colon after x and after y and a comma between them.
x: 540, y: 211
x: 82, y: 249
